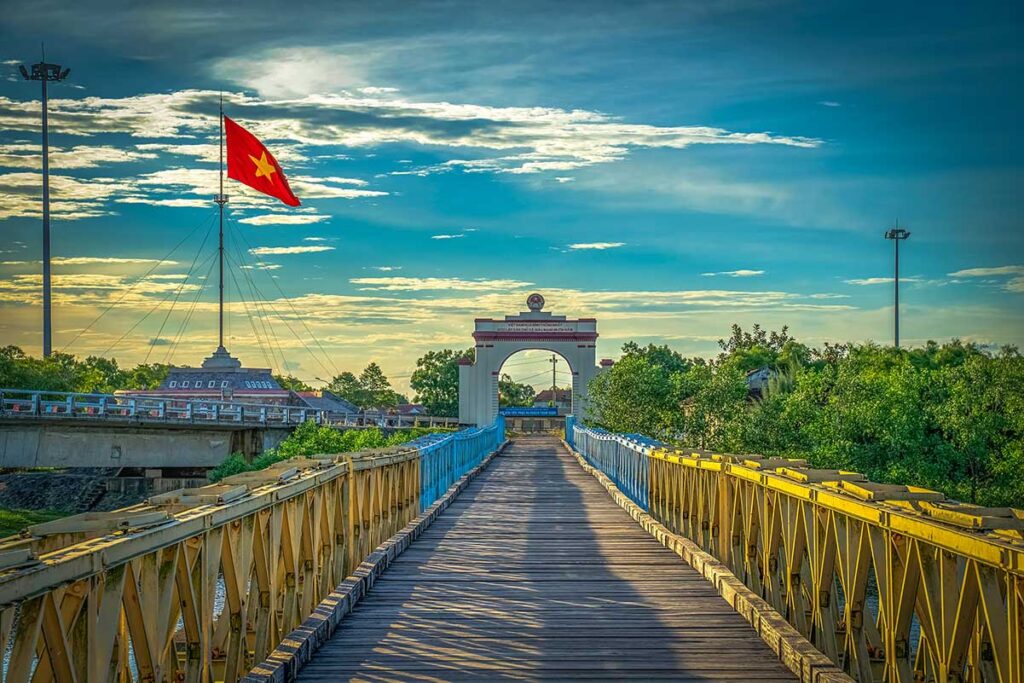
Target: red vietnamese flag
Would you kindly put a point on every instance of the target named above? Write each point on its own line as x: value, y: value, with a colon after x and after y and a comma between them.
x: 250, y: 162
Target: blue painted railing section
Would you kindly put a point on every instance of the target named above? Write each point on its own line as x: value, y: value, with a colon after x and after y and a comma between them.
x: 445, y: 458
x: 622, y: 457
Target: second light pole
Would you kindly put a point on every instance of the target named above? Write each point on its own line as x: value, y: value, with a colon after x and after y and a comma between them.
x: 897, y: 234
x: 45, y: 72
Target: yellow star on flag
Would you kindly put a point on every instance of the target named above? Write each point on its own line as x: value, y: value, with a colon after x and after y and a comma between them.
x: 263, y: 167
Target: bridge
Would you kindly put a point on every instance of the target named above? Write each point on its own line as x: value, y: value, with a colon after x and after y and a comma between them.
x: 468, y: 556
x: 60, y: 429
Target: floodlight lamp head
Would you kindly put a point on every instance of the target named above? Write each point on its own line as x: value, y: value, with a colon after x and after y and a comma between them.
x: 64, y: 74
x: 897, y: 234
x: 24, y: 72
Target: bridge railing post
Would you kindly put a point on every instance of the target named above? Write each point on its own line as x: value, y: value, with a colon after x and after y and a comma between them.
x: 36, y: 408
x: 263, y: 416
x: 188, y: 411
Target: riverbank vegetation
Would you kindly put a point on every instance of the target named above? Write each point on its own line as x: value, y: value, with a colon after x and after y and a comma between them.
x: 312, y: 439
x: 946, y: 416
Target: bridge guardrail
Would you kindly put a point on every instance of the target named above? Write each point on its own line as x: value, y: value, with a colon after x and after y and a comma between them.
x: 202, y: 584
x: 444, y: 459
x: 891, y: 582
x: 59, y: 405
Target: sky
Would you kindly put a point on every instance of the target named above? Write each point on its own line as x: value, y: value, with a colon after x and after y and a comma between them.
x: 667, y: 168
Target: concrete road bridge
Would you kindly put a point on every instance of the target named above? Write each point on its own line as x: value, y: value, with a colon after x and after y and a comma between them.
x: 465, y: 556
x: 56, y: 429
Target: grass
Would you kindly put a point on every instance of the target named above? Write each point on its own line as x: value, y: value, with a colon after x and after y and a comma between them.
x: 13, y: 521
x: 310, y: 439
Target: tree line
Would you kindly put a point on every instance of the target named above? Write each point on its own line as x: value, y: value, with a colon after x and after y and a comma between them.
x: 945, y: 416
x: 436, y: 383
x: 63, y: 372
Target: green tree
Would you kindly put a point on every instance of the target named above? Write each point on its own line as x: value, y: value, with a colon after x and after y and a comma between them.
x: 292, y: 383
x: 514, y: 394
x: 145, y: 376
x: 714, y: 400
x: 982, y: 418
x: 379, y: 393
x: 436, y: 381
x: 634, y: 395
x: 347, y: 386
x: 662, y: 357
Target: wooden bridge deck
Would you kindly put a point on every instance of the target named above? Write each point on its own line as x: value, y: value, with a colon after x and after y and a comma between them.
x: 535, y: 573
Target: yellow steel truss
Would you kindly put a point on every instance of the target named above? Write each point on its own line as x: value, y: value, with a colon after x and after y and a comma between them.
x: 200, y: 584
x: 892, y: 582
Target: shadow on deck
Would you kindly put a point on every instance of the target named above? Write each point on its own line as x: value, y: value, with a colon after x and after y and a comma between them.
x: 535, y: 573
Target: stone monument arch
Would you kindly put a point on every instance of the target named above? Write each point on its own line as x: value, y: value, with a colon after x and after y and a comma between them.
x: 536, y: 329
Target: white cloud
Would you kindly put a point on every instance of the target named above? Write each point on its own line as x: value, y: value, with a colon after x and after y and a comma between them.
x: 267, y: 251
x: 28, y: 155
x: 86, y: 260
x: 489, y: 139
x: 989, y: 272
x: 735, y: 273
x: 386, y: 269
x: 417, y: 284
x: 600, y: 246
x: 177, y: 203
x: 564, y: 179
x: 514, y: 139
x: 867, y: 281
x: 447, y: 237
x: 829, y: 103
x: 1014, y: 284
x: 284, y: 219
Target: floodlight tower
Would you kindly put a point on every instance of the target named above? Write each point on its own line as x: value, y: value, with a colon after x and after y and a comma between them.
x: 897, y: 234
x: 44, y: 73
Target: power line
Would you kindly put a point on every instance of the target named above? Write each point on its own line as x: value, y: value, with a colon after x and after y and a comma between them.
x: 188, y: 315
x: 269, y: 357
x: 269, y: 333
x: 292, y: 307
x: 137, y: 323
x: 135, y: 284
x: 290, y: 329
x: 177, y: 294
x: 260, y: 314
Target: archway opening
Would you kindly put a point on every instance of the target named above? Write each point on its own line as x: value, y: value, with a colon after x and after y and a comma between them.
x: 535, y: 390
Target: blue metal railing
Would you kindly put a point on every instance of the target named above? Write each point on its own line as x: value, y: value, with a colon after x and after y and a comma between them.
x: 445, y: 458
x: 622, y: 457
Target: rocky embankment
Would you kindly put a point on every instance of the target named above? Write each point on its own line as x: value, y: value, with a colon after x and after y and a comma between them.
x: 66, y: 491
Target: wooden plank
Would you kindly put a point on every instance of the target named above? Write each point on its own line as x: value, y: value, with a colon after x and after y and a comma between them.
x: 534, y: 572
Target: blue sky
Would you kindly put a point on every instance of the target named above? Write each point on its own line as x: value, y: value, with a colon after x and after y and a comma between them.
x: 668, y: 168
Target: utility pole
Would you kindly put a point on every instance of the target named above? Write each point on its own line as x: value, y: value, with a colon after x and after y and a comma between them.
x: 44, y: 72
x: 554, y: 383
x: 897, y: 234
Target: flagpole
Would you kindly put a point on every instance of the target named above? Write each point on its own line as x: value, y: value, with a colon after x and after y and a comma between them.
x: 221, y: 201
